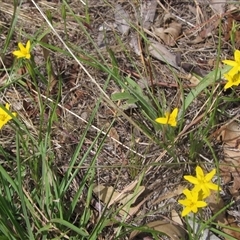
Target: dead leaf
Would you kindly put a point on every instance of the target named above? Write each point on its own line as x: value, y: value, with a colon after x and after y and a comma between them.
x: 175, y: 232
x: 197, y: 40
x: 218, y: 6
x: 161, y: 53
x: 170, y: 194
x: 113, y: 134
x: 110, y: 196
x: 192, y: 79
x: 170, y: 34
x: 208, y: 30
x: 122, y: 19
x: 176, y: 218
x: 148, y: 10
x: 134, y: 43
x: 216, y: 204
x: 230, y: 168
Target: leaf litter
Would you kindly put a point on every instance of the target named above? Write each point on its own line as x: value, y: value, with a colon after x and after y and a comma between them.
x: 182, y: 32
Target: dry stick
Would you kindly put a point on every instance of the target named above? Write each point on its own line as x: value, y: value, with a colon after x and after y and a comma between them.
x: 199, y: 14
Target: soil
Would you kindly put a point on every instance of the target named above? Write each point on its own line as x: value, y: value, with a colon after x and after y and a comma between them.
x: 92, y: 40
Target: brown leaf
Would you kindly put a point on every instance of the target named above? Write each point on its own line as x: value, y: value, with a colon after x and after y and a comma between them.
x: 148, y: 10
x: 175, y: 232
x: 122, y: 19
x: 230, y: 168
x: 216, y: 204
x: 160, y: 52
x: 218, y: 6
x: 170, y: 34
x: 128, y: 196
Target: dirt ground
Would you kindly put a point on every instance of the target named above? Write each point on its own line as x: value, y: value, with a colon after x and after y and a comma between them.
x: 195, y: 29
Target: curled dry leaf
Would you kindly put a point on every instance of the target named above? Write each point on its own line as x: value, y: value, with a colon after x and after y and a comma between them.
x: 170, y: 33
x: 175, y: 232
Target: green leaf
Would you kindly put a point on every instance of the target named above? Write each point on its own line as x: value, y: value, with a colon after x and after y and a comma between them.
x: 211, y: 78
x: 70, y: 226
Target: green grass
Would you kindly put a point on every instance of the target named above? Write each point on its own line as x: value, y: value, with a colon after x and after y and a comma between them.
x: 50, y: 166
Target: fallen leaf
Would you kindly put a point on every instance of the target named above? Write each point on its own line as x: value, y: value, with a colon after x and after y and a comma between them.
x: 134, y: 43
x: 161, y: 53
x: 197, y: 40
x: 176, y: 218
x: 170, y: 34
x: 230, y: 167
x: 226, y: 221
x: 148, y: 10
x: 218, y: 6
x: 170, y: 229
x: 170, y: 194
x: 113, y: 135
x: 122, y: 19
x: 125, y: 198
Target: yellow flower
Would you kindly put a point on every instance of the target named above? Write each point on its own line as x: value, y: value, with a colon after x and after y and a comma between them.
x: 24, y: 52
x: 202, y: 182
x: 233, y: 78
x: 170, y: 118
x: 4, y: 116
x: 236, y: 62
x: 191, y: 203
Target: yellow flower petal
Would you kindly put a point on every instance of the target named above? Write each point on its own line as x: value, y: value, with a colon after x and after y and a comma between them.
x: 162, y: 120
x: 191, y: 202
x: 228, y: 84
x: 186, y: 211
x: 24, y: 52
x: 200, y: 204
x: 18, y: 54
x: 199, y: 172
x: 4, y: 116
x: 7, y: 106
x: 173, y: 117
x: 191, y: 179
x: 28, y: 45
x: 21, y: 47
x: 210, y: 175
x: 187, y: 193
x: 194, y: 209
x: 233, y: 79
x: 230, y: 63
x: 202, y: 183
x: 184, y: 202
x: 213, y: 186
x: 170, y: 118
x: 237, y: 56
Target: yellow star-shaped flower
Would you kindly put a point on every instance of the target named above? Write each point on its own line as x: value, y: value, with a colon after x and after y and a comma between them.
x: 4, y: 116
x: 23, y: 52
x: 203, y: 182
x: 236, y: 62
x: 191, y: 203
x: 170, y: 118
x: 233, y: 78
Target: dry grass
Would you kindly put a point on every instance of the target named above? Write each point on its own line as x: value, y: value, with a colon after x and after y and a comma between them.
x: 70, y: 136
